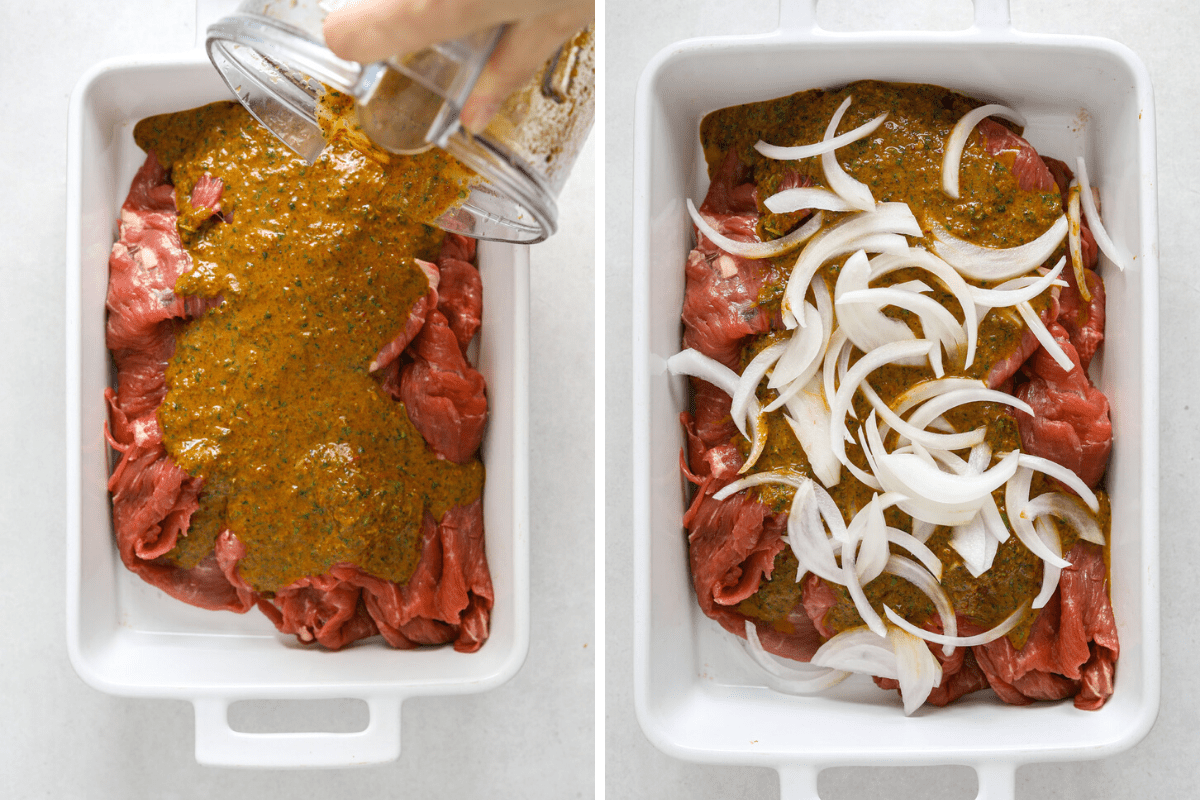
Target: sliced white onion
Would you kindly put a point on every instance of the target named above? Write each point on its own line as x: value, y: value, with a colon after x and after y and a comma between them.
x: 854, y: 587
x: 783, y: 476
x: 958, y: 139
x: 927, y: 390
x: 858, y: 650
x: 922, y: 530
x: 1010, y: 622
x: 1103, y: 241
x: 813, y: 197
x: 1035, y: 324
x: 857, y: 374
x: 837, y: 343
x: 866, y: 327
x: 1016, y: 496
x: 826, y: 145
x: 1075, y: 240
x: 936, y: 406
x: 694, y: 363
x: 918, y: 434
x: 994, y: 263
x: 802, y: 356
x: 878, y: 231
x: 813, y: 548
x: 923, y: 480
x: 912, y: 572
x: 917, y: 669
x: 917, y: 506
x: 1061, y: 473
x: 852, y: 191
x: 800, y: 679
x: 808, y: 416
x: 971, y: 541
x: 912, y: 544
x: 936, y: 320
x: 756, y: 250
x: 923, y: 259
x: 748, y: 382
x: 1070, y: 509
x: 869, y: 529
x: 1049, y: 536
x: 1001, y: 297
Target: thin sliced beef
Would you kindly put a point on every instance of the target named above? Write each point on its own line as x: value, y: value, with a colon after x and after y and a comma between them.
x: 461, y: 299
x: 413, y: 322
x: 1017, y: 155
x: 720, y: 304
x: 1071, y: 650
x: 1083, y: 320
x: 1070, y: 424
x: 445, y: 396
x: 449, y: 598
x: 1007, y: 365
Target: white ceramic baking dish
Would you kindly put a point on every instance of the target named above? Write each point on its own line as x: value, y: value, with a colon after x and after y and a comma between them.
x: 127, y: 638
x: 697, y: 695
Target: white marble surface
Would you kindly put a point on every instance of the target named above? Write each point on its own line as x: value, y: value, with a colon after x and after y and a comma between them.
x: 59, y: 738
x: 1163, y: 34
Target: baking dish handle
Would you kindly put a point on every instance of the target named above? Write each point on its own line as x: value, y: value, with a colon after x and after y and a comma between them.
x: 219, y: 745
x: 800, y: 16
x: 996, y: 781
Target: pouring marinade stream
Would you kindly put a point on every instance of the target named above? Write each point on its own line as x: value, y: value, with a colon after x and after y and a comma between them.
x: 898, y: 453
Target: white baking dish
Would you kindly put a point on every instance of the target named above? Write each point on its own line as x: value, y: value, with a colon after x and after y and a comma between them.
x: 127, y: 638
x: 697, y: 695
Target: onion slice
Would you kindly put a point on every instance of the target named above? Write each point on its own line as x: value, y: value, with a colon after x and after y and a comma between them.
x: 751, y: 376
x: 923, y: 259
x: 858, y: 650
x: 879, y: 231
x: 1039, y: 329
x: 993, y: 263
x: 807, y: 679
x: 803, y: 197
x: 958, y: 139
x: 694, y: 363
x: 784, y: 476
x: 910, y: 571
x: 756, y: 250
x: 1010, y: 622
x: 852, y: 191
x: 1049, y: 535
x: 857, y: 374
x: 1070, y: 509
x: 1103, y: 241
x: 826, y: 145
x: 1075, y: 240
x: 1061, y: 473
x: 917, y: 669
x: 1003, y: 296
x: 1016, y: 496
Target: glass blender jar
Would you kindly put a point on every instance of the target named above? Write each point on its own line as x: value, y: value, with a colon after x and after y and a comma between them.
x: 272, y: 55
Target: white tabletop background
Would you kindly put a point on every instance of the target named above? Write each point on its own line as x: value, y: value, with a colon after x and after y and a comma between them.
x: 59, y: 738
x: 1163, y: 33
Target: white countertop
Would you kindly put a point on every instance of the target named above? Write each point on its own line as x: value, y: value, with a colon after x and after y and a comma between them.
x: 59, y: 738
x: 1165, y: 763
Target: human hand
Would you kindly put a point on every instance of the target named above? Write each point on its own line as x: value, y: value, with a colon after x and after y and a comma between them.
x: 372, y: 30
